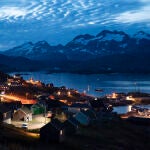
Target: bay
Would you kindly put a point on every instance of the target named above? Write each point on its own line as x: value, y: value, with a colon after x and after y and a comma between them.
x: 88, y: 83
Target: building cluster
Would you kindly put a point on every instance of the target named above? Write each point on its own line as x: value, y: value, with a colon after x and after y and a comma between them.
x: 65, y: 109
x: 140, y: 111
x: 64, y: 120
x: 117, y: 99
x: 35, y: 82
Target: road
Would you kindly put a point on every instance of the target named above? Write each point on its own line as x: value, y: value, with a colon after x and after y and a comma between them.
x: 37, y: 122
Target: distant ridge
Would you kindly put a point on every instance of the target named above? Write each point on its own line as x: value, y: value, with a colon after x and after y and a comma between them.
x: 109, y: 49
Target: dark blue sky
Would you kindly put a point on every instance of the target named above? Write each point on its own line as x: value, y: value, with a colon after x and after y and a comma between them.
x: 58, y: 21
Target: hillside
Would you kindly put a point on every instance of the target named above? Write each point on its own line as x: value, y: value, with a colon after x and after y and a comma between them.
x: 106, y: 135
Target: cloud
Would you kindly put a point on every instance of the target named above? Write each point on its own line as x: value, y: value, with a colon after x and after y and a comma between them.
x: 9, y: 12
x: 134, y: 16
x: 144, y: 1
x: 43, y: 19
x: 69, y: 12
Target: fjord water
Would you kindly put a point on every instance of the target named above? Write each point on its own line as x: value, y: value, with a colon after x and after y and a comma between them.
x: 125, y: 109
x: 88, y: 83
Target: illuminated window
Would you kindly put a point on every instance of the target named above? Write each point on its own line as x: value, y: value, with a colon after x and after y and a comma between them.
x: 61, y: 132
x: 4, y: 115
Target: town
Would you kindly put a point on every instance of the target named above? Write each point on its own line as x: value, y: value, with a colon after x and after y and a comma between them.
x: 52, y: 114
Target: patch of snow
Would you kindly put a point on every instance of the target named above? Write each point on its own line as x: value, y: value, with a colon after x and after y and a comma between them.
x: 37, y: 46
x: 43, y: 50
x: 81, y: 41
x: 83, y: 50
x: 123, y: 45
x: 27, y: 46
x: 142, y: 35
x: 75, y: 49
x: 109, y: 37
x: 116, y: 37
x: 87, y: 51
x: 42, y: 42
x: 61, y: 51
x: 24, y: 49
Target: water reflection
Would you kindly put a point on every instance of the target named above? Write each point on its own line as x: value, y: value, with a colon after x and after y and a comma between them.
x: 122, y: 109
x: 125, y: 109
x: 88, y: 83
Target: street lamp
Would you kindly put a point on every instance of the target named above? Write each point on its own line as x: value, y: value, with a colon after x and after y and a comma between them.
x: 58, y: 93
x: 27, y: 95
x: 69, y: 93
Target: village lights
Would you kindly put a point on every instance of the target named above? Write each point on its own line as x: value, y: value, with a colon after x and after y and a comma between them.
x: 128, y: 97
x: 69, y: 93
x: 27, y: 95
x: 58, y: 93
x: 95, y: 99
x: 61, y: 132
x: 114, y: 95
x: 129, y: 108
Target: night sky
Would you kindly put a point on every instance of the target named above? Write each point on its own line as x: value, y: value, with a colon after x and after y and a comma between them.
x: 58, y: 21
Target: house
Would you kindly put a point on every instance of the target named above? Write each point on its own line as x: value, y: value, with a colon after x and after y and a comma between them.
x: 13, y: 106
x: 51, y: 105
x: 5, y: 114
x: 71, y: 125
x: 52, y: 132
x: 138, y: 97
x: 90, y: 114
x: 24, y: 114
x: 35, y: 83
x: 82, y: 118
x: 37, y: 109
x: 77, y: 107
x: 97, y: 105
x: 14, y: 81
x: 3, y: 87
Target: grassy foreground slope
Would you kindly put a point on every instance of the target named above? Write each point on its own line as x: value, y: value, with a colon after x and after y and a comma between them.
x: 105, y: 135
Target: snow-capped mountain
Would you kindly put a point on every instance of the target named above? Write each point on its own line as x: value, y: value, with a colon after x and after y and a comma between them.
x: 141, y: 35
x: 37, y: 51
x: 89, y: 46
x: 115, y: 50
x: 104, y: 43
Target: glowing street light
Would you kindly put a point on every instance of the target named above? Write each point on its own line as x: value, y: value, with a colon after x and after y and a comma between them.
x: 69, y: 93
x: 58, y: 93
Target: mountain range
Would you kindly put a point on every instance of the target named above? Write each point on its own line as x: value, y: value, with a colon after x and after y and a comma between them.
x: 107, y: 52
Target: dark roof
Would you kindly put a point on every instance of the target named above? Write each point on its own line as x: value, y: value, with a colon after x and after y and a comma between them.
x: 18, y: 103
x: 73, y: 121
x: 26, y: 110
x: 80, y: 105
x: 13, y: 105
x: 37, y: 106
x: 97, y: 103
x: 3, y: 108
x: 51, y: 103
x: 89, y: 113
x: 55, y: 123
